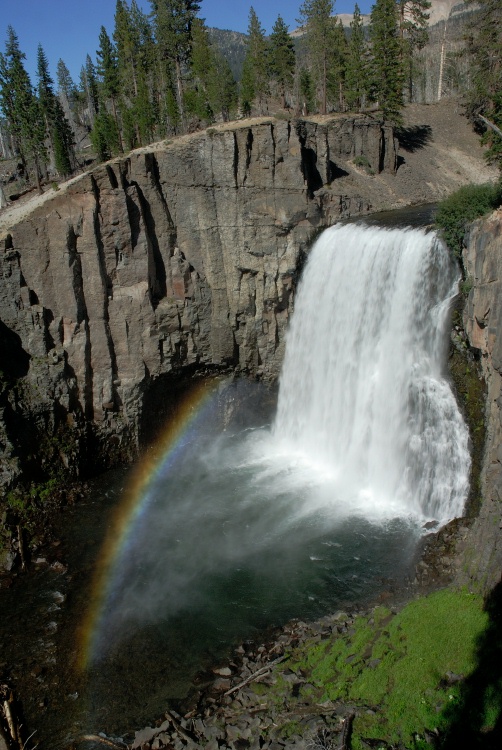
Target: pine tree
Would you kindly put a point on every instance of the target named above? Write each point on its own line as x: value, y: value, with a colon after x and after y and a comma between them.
x: 104, y: 135
x: 72, y: 100
x: 126, y: 38
x: 356, y: 79
x: 315, y: 16
x: 57, y: 127
x: 307, y: 93
x: 108, y: 76
x: 7, y: 100
x: 89, y: 90
x: 386, y: 68
x: 203, y: 64
x: 214, y: 90
x: 21, y: 107
x: 143, y: 110
x: 484, y: 101
x: 66, y: 87
x: 173, y: 20
x: 247, y: 87
x: 136, y: 59
x: 223, y: 88
x: 337, y: 67
x: 255, y: 74
x: 127, y: 45
x: 413, y: 31
x: 282, y: 58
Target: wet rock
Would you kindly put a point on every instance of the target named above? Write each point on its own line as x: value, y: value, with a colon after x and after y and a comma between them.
x: 148, y: 733
x: 221, y: 684
x: 222, y: 671
x: 430, y: 525
x: 213, y: 732
x: 58, y: 567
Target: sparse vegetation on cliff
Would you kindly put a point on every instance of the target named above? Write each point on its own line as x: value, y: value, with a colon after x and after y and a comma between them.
x: 456, y: 212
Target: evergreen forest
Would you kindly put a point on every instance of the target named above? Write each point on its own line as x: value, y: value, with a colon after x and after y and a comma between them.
x: 165, y: 73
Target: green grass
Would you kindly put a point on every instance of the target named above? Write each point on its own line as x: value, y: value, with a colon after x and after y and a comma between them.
x: 397, y: 666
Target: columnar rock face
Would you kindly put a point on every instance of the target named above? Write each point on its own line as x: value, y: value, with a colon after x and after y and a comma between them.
x: 184, y: 256
x: 483, y: 324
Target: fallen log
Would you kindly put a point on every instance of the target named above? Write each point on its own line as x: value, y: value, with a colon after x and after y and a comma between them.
x: 188, y: 736
x: 10, y: 726
x: 347, y: 727
x: 491, y: 125
x: 22, y: 551
x: 103, y: 740
x: 255, y: 675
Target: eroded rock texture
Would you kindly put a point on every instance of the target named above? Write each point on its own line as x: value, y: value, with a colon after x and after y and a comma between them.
x: 482, y: 558
x: 183, y: 257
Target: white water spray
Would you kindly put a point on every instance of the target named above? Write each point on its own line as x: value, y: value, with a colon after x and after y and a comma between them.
x: 363, y: 394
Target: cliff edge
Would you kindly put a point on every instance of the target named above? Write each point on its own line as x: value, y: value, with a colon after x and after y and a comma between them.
x: 174, y: 259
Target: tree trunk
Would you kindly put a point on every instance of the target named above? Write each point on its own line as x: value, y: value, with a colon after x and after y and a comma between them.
x: 37, y: 176
x: 179, y: 86
x: 116, y: 118
x: 324, y: 77
x: 491, y: 125
x: 441, y: 64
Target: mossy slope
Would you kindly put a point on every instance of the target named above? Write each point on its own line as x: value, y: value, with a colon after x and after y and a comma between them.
x: 405, y: 674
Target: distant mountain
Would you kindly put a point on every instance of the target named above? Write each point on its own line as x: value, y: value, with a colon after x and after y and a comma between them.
x: 233, y: 43
x: 440, y: 10
x: 233, y: 47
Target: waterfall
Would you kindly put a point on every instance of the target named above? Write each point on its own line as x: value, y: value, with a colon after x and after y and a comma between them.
x: 363, y: 393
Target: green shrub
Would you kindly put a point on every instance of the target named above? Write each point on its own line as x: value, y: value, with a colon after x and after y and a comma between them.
x: 466, y: 286
x: 465, y: 205
x: 362, y: 161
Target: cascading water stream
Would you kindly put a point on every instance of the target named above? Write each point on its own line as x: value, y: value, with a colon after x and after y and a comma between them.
x: 363, y: 393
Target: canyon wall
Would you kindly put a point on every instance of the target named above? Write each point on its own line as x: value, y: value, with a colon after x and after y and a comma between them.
x: 179, y: 257
x: 481, y: 549
x: 183, y: 258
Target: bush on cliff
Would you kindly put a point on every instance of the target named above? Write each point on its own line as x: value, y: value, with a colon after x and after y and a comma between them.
x: 460, y: 208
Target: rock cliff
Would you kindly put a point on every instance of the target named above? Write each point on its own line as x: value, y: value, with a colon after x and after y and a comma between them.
x: 181, y: 256
x: 482, y: 549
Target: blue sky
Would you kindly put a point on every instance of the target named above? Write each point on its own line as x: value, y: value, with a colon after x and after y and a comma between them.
x: 69, y: 28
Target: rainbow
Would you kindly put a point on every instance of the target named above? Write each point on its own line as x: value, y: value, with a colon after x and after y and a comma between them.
x: 137, y: 498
